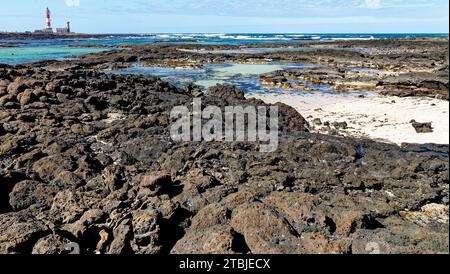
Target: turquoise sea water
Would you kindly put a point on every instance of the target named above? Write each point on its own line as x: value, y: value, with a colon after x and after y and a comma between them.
x: 36, y: 50
x: 19, y: 55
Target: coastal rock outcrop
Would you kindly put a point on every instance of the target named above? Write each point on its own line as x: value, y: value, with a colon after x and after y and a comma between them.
x: 88, y: 162
x: 225, y: 91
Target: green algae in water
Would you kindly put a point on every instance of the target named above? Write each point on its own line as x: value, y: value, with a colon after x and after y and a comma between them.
x: 19, y: 55
x: 224, y: 74
x: 245, y: 69
x: 210, y: 83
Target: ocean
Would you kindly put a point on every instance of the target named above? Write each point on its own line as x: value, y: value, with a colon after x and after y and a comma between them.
x: 26, y: 51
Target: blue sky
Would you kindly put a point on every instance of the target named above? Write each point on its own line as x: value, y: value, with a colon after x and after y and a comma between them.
x: 231, y: 16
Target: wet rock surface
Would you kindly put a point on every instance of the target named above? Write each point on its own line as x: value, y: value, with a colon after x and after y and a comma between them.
x: 86, y: 161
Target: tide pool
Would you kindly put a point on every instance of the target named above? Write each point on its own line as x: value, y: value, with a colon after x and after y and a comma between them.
x: 245, y: 76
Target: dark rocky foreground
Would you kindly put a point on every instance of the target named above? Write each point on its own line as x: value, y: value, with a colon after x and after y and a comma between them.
x: 86, y: 158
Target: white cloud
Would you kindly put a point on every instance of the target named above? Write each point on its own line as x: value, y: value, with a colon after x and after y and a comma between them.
x: 72, y: 3
x: 373, y: 4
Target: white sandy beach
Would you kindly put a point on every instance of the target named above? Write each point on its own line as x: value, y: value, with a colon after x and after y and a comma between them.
x: 376, y: 117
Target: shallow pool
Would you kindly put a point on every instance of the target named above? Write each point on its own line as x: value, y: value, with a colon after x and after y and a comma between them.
x: 245, y: 76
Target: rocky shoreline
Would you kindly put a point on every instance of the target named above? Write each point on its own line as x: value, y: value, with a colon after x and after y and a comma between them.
x: 397, y: 67
x: 86, y: 159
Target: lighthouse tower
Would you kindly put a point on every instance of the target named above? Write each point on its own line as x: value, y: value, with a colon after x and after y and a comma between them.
x: 48, y: 20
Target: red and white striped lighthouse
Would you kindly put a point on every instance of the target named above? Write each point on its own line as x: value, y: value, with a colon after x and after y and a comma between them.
x: 48, y: 20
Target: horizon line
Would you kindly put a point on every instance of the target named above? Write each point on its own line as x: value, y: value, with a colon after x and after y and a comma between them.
x: 299, y: 33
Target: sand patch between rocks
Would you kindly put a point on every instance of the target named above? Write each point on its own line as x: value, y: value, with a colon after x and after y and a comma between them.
x: 375, y: 117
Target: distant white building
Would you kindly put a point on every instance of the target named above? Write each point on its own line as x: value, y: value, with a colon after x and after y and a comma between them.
x: 65, y: 30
